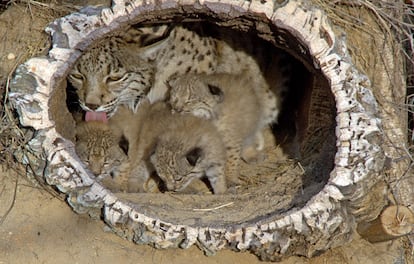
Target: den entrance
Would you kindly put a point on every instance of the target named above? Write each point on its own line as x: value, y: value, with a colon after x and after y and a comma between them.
x: 299, y: 146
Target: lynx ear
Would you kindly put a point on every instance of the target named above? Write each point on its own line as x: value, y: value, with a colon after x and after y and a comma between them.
x: 155, y: 36
x: 147, y: 45
x: 172, y: 81
x: 124, y: 144
x: 149, y: 53
x: 194, y: 155
x: 216, y: 92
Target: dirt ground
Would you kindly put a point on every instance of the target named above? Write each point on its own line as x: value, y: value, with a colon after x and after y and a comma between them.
x: 40, y: 228
x: 37, y: 227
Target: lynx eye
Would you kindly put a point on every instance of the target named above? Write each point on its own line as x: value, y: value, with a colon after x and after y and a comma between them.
x: 114, y: 78
x: 178, y: 178
x: 77, y: 76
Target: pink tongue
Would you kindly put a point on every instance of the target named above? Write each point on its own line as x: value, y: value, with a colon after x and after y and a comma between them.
x: 96, y: 116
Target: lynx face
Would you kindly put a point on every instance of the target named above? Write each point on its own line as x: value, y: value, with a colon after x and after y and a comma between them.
x: 98, y: 148
x: 117, y: 71
x: 104, y: 80
x: 190, y: 94
x: 177, y: 165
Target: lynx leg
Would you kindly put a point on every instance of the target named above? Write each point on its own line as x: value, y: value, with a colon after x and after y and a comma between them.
x: 117, y: 180
x: 232, y: 165
x: 259, y: 141
x: 138, y: 177
x: 217, y: 179
x: 252, y: 149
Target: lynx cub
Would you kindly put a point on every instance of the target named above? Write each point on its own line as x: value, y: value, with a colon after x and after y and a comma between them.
x: 98, y: 148
x: 179, y: 148
x: 233, y: 104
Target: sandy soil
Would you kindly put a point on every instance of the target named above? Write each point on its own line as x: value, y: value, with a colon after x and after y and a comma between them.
x: 41, y: 228
x: 37, y: 227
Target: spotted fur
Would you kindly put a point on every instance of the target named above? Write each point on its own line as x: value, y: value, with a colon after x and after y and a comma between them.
x: 112, y: 72
x: 98, y: 148
x: 233, y: 104
x: 179, y: 148
x: 122, y: 69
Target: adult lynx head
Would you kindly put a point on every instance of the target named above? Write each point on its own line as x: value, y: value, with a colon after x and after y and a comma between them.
x: 117, y: 70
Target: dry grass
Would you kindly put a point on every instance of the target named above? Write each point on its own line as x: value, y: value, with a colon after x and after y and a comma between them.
x: 27, y: 43
x: 395, y: 21
x: 395, y: 18
x: 12, y: 135
x: 56, y: 7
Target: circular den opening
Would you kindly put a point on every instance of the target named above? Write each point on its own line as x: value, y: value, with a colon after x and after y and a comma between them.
x: 287, y: 213
x: 299, y: 150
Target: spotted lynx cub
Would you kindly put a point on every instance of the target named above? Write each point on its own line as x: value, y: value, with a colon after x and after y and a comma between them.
x: 233, y: 103
x: 98, y: 148
x: 179, y: 148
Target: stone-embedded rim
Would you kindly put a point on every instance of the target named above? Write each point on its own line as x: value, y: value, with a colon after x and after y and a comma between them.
x: 358, y: 159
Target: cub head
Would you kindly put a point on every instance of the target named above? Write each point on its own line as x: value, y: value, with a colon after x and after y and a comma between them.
x: 177, y: 165
x: 194, y: 94
x: 94, y: 142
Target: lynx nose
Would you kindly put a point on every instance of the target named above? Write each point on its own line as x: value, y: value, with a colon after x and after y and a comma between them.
x: 92, y: 106
x: 177, y: 106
